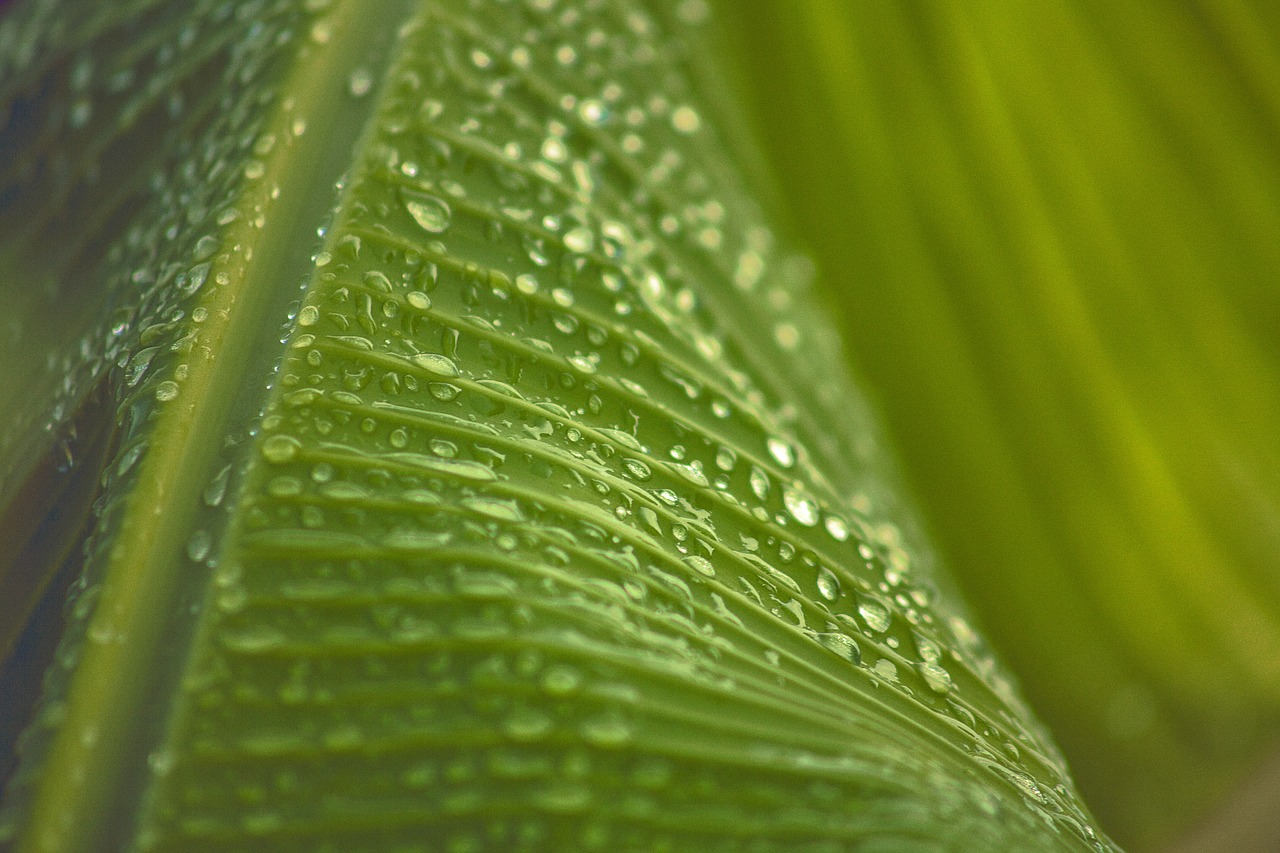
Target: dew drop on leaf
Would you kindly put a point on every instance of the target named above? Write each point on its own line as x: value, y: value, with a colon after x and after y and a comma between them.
x: 636, y: 469
x: 828, y: 584
x: 701, y: 565
x: 875, y: 614
x: 938, y: 679
x: 198, y: 545
x: 607, y: 731
x: 781, y: 451
x: 560, y: 680
x: 526, y: 725
x: 430, y: 212
x: 360, y: 82
x: 440, y: 365
x: 579, y: 240
x: 800, y: 505
x: 217, y: 488
x: 279, y: 449
x: 842, y: 645
x: 759, y: 483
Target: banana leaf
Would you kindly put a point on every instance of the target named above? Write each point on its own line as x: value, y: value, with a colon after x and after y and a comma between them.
x: 417, y: 437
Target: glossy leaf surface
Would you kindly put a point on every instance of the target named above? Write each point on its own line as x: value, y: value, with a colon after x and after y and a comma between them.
x: 485, y: 478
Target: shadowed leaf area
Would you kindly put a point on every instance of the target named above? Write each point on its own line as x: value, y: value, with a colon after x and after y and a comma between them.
x: 477, y: 470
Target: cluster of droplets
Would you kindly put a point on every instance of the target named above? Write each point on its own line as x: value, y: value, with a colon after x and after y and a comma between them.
x: 517, y: 404
x: 178, y: 127
x: 527, y: 464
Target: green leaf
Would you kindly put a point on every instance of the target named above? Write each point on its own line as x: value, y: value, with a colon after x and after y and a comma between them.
x: 484, y: 473
x: 1047, y: 228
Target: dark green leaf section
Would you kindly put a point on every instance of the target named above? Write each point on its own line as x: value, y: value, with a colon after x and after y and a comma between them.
x: 117, y: 132
x: 557, y: 528
x: 102, y: 109
x: 120, y: 121
x: 196, y: 258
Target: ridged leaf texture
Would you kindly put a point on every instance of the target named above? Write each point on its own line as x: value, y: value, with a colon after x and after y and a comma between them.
x: 477, y: 470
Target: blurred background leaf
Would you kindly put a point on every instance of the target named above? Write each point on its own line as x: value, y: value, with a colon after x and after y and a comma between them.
x: 1051, y: 230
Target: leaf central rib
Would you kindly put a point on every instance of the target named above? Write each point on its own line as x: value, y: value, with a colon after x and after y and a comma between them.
x: 110, y: 724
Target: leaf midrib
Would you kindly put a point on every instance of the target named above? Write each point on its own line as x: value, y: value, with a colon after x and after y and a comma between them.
x: 72, y: 808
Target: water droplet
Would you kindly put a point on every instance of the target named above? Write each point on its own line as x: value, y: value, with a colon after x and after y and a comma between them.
x: 560, y: 680
x: 562, y: 798
x: 526, y: 724
x: 81, y: 111
x: 416, y: 540
x: 553, y: 149
x: 443, y: 391
x: 759, y: 483
x: 837, y: 527
x: 636, y: 469
x: 800, y: 505
x: 886, y: 669
x: 701, y: 565
x: 279, y: 449
x: 284, y: 487
x: 217, y: 488
x: 610, y: 730
x: 252, y: 638
x: 781, y: 451
x: 875, y: 614
x: 485, y: 586
x: 938, y: 679
x: 828, y: 584
x: 579, y: 240
x: 377, y: 280
x: 592, y: 111
x: 842, y: 645
x: 685, y: 119
x: 161, y: 762
x: 582, y: 363
x: 929, y: 650
x: 1028, y: 785
x: 166, y: 391
x: 198, y: 545
x: 430, y: 212
x: 360, y: 82
x: 465, y: 468
x: 206, y: 248
x: 308, y: 315
x: 343, y: 737
x: 440, y: 365
x: 787, y: 335
x: 503, y: 510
